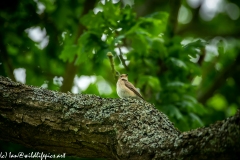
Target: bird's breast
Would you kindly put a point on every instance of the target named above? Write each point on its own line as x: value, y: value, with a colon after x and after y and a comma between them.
x: 123, y: 91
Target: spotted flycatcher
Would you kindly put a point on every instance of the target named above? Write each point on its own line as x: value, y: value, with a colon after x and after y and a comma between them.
x: 126, y: 89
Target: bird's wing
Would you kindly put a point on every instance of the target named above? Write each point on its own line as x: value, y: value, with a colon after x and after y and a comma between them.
x: 132, y: 88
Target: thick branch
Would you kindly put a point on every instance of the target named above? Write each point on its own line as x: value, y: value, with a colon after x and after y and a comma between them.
x: 91, y: 126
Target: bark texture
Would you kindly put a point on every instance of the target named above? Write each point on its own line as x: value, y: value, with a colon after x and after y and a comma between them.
x: 91, y: 126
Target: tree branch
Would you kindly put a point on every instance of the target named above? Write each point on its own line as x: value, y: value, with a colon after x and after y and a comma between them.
x: 114, y: 71
x: 122, y: 59
x: 172, y: 20
x: 91, y: 126
x: 72, y: 68
x: 7, y: 63
x: 203, y: 96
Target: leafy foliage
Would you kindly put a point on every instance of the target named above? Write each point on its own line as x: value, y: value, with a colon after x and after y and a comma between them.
x: 192, y: 76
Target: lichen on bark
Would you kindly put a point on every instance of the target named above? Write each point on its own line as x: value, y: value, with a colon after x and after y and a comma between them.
x: 91, y: 126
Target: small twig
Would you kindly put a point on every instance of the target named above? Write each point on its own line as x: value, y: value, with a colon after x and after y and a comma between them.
x: 202, y: 56
x: 121, y: 58
x: 115, y: 73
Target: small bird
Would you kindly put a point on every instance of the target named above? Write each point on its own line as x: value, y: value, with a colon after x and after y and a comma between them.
x: 126, y: 89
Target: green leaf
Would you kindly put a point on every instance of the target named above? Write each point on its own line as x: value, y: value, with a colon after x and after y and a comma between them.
x: 152, y: 82
x: 88, y: 44
x: 97, y: 21
x: 174, y: 112
x: 221, y: 47
x: 178, y: 63
x: 196, y: 120
x: 68, y: 53
x: 112, y: 13
x: 155, y: 23
x: 190, y: 98
x: 194, y: 45
x: 194, y: 48
x: 118, y: 39
x: 128, y: 3
x: 139, y: 41
x: 218, y: 102
x: 159, y: 48
x: 12, y: 50
x: 176, y: 84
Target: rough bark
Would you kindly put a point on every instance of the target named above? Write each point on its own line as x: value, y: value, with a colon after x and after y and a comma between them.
x: 91, y: 126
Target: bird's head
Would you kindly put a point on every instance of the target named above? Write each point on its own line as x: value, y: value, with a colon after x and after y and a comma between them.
x: 123, y: 76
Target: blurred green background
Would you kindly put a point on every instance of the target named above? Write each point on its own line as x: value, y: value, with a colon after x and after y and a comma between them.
x: 182, y: 55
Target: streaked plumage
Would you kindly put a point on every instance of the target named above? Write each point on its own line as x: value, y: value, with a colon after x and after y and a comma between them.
x: 126, y: 89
